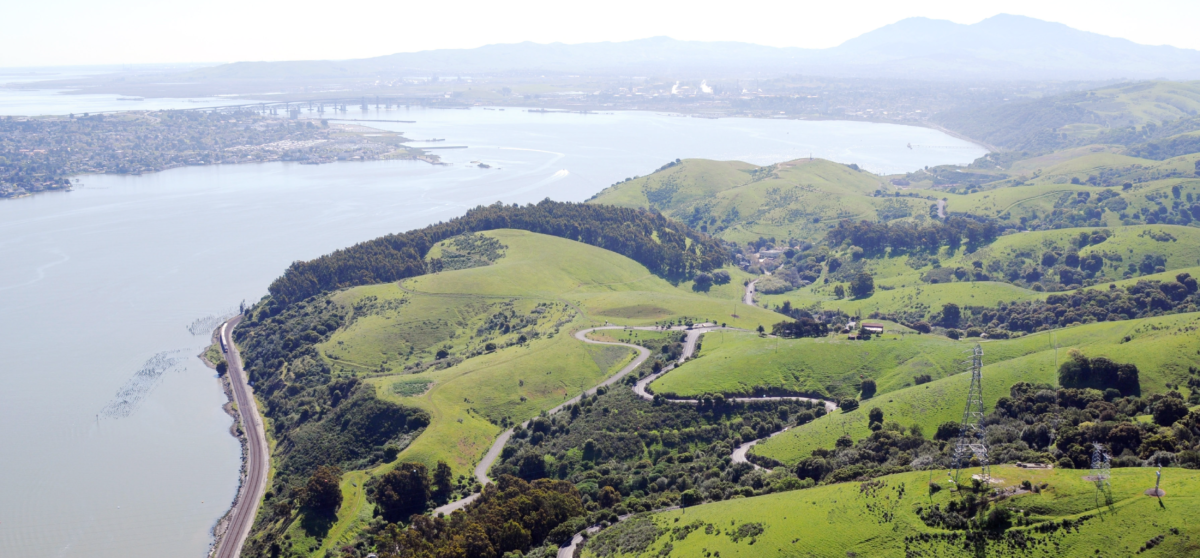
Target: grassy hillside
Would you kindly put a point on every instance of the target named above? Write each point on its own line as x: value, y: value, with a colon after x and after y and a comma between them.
x: 907, y: 297
x: 1127, y: 113
x: 543, y: 288
x: 1142, y: 103
x: 740, y: 202
x: 832, y: 367
x: 880, y: 518
x: 1163, y: 349
x: 903, y: 282
x: 504, y: 332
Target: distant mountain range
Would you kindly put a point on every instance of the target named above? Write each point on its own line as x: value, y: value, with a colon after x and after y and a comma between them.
x: 1003, y: 47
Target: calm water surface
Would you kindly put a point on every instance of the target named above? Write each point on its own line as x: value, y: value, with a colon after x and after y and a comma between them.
x: 114, y: 440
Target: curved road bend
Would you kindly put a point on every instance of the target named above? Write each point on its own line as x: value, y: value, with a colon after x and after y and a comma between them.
x: 257, y: 456
x: 493, y: 453
x: 749, y: 296
x: 689, y: 347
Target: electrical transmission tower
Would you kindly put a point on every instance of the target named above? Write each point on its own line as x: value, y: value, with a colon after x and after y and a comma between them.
x: 970, y: 435
x: 1101, y: 461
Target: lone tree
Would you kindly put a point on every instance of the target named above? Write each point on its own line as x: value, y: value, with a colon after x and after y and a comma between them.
x: 951, y: 315
x: 839, y: 291
x: 608, y: 497
x: 403, y: 491
x: 442, y: 479
x: 322, y: 492
x: 1169, y: 409
x: 868, y: 388
x: 862, y: 285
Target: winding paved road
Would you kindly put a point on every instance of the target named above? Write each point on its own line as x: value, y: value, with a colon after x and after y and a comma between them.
x: 493, y: 453
x: 257, y: 458
x: 689, y: 347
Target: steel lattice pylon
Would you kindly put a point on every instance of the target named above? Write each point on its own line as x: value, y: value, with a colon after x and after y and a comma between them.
x: 1101, y: 466
x: 971, y: 442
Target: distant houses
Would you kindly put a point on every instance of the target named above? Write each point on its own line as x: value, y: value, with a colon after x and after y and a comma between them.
x: 854, y: 331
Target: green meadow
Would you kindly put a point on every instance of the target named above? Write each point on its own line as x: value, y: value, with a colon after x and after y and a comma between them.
x: 734, y: 363
x: 1163, y: 348
x: 900, y: 288
x: 880, y: 518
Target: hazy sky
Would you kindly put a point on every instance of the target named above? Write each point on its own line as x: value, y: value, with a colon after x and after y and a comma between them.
x: 71, y: 32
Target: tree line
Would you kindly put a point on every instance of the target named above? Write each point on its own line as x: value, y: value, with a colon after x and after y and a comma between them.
x: 877, y: 239
x: 668, y: 248
x: 628, y: 455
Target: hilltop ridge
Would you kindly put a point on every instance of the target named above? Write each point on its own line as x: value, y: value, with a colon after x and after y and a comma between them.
x: 1002, y: 47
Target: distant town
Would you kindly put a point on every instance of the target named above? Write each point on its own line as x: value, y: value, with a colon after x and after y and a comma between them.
x: 42, y: 154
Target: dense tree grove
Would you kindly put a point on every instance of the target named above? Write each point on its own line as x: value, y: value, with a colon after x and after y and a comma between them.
x: 402, y: 492
x: 803, y: 326
x: 511, y: 515
x: 877, y: 239
x: 1099, y: 373
x: 668, y: 248
x: 626, y: 454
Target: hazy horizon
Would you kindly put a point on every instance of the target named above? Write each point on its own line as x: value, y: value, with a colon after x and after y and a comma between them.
x: 156, y: 34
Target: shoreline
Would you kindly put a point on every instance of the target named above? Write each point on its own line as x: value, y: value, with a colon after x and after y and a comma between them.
x: 239, y: 520
x: 221, y: 527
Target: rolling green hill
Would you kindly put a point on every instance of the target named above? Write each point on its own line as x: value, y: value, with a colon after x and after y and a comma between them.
x: 881, y: 518
x: 505, y: 333
x: 476, y: 335
x: 741, y: 202
x: 736, y: 363
x: 1127, y: 113
x: 543, y: 288
x: 1163, y: 348
x: 904, y: 283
